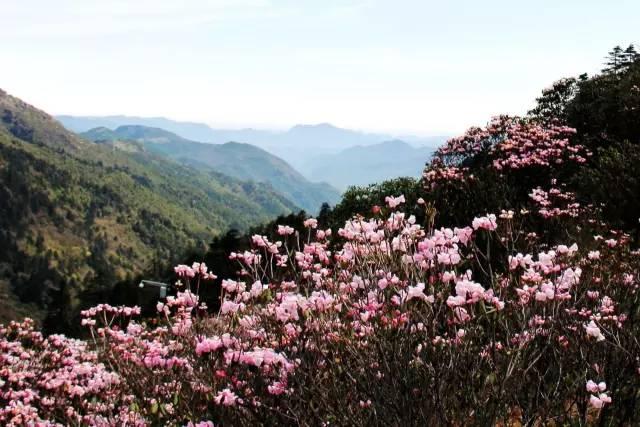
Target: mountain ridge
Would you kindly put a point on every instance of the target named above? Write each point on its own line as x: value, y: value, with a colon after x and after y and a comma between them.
x: 297, y: 145
x: 237, y: 159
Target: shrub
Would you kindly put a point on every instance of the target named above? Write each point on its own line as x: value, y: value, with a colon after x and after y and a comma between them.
x: 401, y: 325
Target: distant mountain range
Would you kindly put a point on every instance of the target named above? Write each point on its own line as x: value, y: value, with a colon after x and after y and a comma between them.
x: 363, y: 165
x: 298, y: 146
x: 76, y: 216
x: 238, y: 160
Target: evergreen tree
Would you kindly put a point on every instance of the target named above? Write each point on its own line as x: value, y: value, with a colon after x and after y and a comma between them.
x: 630, y: 55
x: 615, y: 60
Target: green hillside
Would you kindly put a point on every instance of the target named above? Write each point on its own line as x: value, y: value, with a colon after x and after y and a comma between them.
x: 76, y: 217
x: 242, y: 161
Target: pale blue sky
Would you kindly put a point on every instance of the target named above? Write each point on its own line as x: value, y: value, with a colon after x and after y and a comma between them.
x: 424, y: 67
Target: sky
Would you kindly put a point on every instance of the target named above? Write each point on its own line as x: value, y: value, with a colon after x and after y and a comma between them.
x: 404, y: 66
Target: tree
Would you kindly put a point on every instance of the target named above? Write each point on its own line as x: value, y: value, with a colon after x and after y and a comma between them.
x: 630, y: 55
x: 551, y: 105
x: 615, y: 60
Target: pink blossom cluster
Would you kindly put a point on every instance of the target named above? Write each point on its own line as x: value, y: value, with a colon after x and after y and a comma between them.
x: 365, y: 319
x: 510, y: 143
x: 437, y: 173
x: 197, y: 269
x: 57, y: 380
x: 555, y: 202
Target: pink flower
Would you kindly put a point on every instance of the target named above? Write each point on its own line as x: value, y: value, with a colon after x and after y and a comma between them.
x: 547, y: 292
x: 464, y: 234
x: 594, y: 331
x: 277, y: 388
x: 456, y: 301
x: 208, y: 345
x: 257, y: 288
x: 418, y: 292
x: 226, y: 398
x: 461, y: 315
x: 233, y: 286
x: 364, y: 404
x: 200, y: 267
x: 599, y: 401
x: 231, y: 307
x: 285, y: 230
x: 393, y: 202
x: 184, y: 271
x: 311, y: 223
x: 592, y: 387
x: 448, y: 276
x: 486, y: 222
x: 565, y: 250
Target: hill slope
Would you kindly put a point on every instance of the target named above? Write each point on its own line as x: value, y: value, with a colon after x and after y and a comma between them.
x: 242, y: 161
x: 76, y: 216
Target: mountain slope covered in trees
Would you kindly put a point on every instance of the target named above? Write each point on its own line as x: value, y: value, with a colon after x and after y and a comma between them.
x: 242, y: 161
x: 76, y: 217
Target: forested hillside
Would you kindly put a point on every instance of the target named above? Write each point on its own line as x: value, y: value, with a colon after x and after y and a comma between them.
x: 241, y: 161
x: 76, y: 217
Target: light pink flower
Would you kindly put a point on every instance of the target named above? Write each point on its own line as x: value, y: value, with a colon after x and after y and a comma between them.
x: 393, y: 202
x: 486, y: 222
x: 285, y: 230
x: 594, y: 331
x: 226, y: 398
x: 311, y: 223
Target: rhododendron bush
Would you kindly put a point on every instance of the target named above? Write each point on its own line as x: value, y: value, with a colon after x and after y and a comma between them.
x: 398, y: 324
x: 498, y: 166
x: 385, y: 320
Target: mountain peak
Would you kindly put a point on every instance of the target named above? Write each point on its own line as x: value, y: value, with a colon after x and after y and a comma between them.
x: 147, y: 133
x: 30, y: 124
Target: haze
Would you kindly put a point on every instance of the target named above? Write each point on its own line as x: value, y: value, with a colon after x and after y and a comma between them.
x: 421, y: 67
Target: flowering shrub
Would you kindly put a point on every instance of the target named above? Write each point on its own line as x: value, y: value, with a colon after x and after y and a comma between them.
x: 46, y: 381
x: 514, y: 143
x: 496, y: 167
x: 399, y: 324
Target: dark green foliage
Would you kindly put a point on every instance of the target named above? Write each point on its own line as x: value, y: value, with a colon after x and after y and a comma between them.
x: 619, y: 60
x: 552, y: 104
x: 360, y: 200
x: 606, y: 107
x: 613, y: 183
